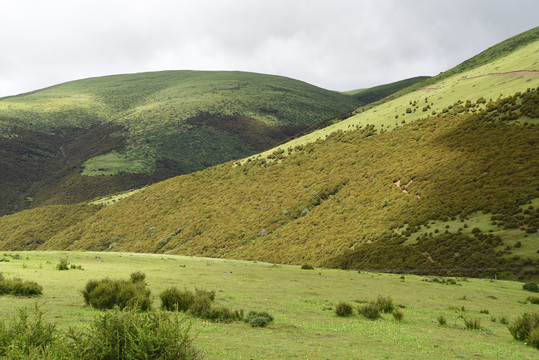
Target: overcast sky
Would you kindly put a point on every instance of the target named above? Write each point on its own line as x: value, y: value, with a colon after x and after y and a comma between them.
x: 335, y: 44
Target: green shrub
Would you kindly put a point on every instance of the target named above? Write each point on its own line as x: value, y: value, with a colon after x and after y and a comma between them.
x: 173, y: 299
x: 523, y: 326
x: 472, y: 323
x: 205, y: 293
x: 137, y: 277
x: 398, y: 315
x: 18, y: 287
x: 134, y: 335
x: 533, y: 339
x: 344, y: 309
x: 370, y: 311
x: 107, y: 293
x: 533, y: 300
x: 26, y: 335
x: 441, y: 320
x: 385, y: 304
x: 307, y: 267
x: 62, y: 265
x: 531, y: 287
x: 258, y: 319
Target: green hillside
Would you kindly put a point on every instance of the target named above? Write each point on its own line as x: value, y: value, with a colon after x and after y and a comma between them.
x: 376, y: 93
x: 444, y: 180
x: 146, y: 127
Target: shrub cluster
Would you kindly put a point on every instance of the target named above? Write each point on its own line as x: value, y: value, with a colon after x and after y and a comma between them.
x: 19, y: 287
x: 526, y: 328
x: 344, y: 309
x: 107, y: 293
x: 258, y: 319
x: 198, y: 304
x: 531, y: 287
x: 120, y: 334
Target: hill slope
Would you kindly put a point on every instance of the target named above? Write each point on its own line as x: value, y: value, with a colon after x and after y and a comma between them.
x: 451, y: 192
x: 141, y: 128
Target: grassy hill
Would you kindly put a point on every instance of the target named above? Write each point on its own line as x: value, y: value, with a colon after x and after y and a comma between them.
x: 141, y: 128
x: 443, y: 180
x: 376, y: 93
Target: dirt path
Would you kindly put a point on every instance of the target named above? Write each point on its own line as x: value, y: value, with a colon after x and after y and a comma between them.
x: 520, y: 72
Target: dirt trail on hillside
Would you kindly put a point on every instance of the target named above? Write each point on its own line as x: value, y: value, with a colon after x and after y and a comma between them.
x: 519, y: 72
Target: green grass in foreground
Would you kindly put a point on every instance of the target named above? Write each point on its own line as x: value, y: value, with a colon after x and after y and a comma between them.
x: 302, y: 303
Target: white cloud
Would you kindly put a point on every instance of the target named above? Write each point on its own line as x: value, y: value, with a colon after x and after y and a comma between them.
x: 339, y: 44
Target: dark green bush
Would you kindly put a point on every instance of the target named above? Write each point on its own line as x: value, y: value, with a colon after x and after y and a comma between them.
x: 522, y: 327
x: 307, y: 267
x: 344, y: 309
x: 62, y: 265
x: 472, y: 323
x: 370, y: 311
x: 398, y: 315
x: 441, y: 320
x: 18, y: 287
x: 107, y: 293
x: 531, y: 287
x: 205, y: 293
x: 385, y: 304
x: 533, y: 300
x: 258, y: 319
x: 137, y: 277
x: 173, y: 299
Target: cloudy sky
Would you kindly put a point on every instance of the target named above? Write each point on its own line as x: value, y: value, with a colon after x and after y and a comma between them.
x: 335, y: 44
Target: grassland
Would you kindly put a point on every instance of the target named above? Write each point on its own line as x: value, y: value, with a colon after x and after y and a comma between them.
x: 302, y: 303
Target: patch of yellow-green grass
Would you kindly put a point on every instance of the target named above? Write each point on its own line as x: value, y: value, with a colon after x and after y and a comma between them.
x: 469, y: 85
x: 106, y: 201
x: 111, y: 164
x: 302, y: 302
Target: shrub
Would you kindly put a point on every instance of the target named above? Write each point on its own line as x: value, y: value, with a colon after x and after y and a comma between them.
x: 533, y: 300
x: 175, y: 299
x: 531, y: 287
x: 398, y: 315
x: 205, y: 293
x: 18, y: 287
x: 472, y: 324
x: 523, y: 326
x: 370, y: 311
x: 344, y: 309
x: 134, y: 335
x: 107, y: 293
x: 26, y: 334
x: 385, y: 304
x: 258, y: 319
x: 307, y: 267
x: 62, y: 265
x: 441, y: 320
x: 137, y: 277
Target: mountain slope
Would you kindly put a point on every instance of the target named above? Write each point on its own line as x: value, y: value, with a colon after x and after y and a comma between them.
x: 141, y: 128
x: 451, y: 189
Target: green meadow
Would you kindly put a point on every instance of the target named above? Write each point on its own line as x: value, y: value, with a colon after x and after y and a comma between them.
x: 301, y: 301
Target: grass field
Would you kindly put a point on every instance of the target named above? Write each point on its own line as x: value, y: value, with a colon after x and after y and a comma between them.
x: 302, y: 302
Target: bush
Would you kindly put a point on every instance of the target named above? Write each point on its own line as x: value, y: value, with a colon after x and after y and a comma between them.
x: 370, y: 311
x: 522, y: 327
x: 385, y: 304
x: 398, y: 315
x: 258, y: 319
x: 533, y: 300
x: 18, y: 287
x: 26, y: 335
x: 472, y: 324
x: 344, y: 309
x: 137, y: 277
x: 531, y: 287
x: 174, y: 299
x: 442, y: 320
x: 107, y: 293
x: 134, y: 335
x: 62, y: 265
x: 307, y: 267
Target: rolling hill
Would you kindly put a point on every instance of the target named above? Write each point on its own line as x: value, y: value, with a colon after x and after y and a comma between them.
x: 89, y: 138
x: 440, y: 180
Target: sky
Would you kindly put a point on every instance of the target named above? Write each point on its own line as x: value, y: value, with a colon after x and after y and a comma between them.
x: 335, y: 44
